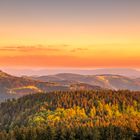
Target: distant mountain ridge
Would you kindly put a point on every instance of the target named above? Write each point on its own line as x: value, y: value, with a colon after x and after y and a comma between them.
x: 108, y: 81
x: 128, y: 72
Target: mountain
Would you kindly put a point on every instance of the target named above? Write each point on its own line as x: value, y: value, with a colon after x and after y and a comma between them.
x: 12, y: 86
x: 105, y: 81
x: 128, y: 72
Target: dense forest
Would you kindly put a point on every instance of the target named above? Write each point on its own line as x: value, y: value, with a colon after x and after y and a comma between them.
x: 72, y: 115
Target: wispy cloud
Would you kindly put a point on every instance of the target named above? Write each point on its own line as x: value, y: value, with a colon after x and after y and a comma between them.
x: 79, y: 49
x: 30, y: 48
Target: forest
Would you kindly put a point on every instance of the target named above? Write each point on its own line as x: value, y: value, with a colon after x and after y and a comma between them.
x: 72, y: 115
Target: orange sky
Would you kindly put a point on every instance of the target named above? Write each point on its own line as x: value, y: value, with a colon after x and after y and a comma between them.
x: 49, y: 34
x: 102, y: 46
x: 98, y: 55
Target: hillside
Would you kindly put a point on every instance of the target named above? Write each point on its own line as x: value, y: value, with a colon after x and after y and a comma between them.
x: 83, y: 115
x: 105, y: 81
x: 12, y: 86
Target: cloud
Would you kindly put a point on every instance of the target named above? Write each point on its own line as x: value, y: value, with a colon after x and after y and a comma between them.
x: 33, y: 48
x: 79, y: 49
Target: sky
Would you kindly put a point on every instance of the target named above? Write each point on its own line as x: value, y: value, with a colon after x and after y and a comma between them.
x: 70, y: 33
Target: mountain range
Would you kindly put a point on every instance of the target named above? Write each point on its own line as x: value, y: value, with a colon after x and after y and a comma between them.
x: 107, y: 81
x: 13, y: 86
x: 128, y: 72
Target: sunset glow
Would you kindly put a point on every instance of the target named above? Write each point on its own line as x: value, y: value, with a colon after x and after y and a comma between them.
x: 93, y: 34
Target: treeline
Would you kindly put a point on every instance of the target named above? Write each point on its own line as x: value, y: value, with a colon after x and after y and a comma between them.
x: 77, y: 115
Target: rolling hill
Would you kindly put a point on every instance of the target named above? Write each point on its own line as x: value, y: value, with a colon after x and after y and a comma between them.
x: 105, y: 80
x: 12, y: 86
x: 128, y: 72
